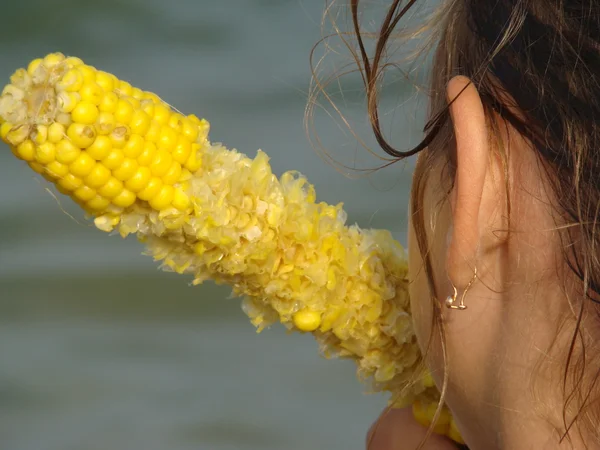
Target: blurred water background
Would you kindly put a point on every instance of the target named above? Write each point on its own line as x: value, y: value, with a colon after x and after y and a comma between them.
x: 98, y: 349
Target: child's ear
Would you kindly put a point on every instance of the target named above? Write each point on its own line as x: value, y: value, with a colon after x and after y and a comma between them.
x: 470, y: 199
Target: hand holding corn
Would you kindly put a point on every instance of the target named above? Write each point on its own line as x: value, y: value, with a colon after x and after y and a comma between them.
x: 137, y: 166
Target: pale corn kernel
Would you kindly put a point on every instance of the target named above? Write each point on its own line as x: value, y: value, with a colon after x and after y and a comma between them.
x: 84, y: 193
x: 134, y: 146
x: 105, y: 81
x: 56, y: 133
x: 118, y: 137
x: 114, y: 159
x: 139, y: 180
x: 83, y: 165
x: 67, y: 101
x: 66, y: 152
x: 307, y: 320
x: 162, y: 113
x: 26, y: 150
x: 151, y: 190
x: 85, y: 112
x: 17, y: 134
x: 126, y: 169
x: 135, y: 103
x: 167, y: 138
x: 109, y: 102
x: 140, y: 122
x: 71, y: 81
x: 182, y: 150
x: 69, y: 182
x: 39, y: 134
x: 111, y: 188
x: 58, y: 170
x: 98, y: 203
x: 73, y: 61
x: 92, y: 92
x: 124, y: 112
x: 45, y: 153
x: 125, y: 199
x: 147, y: 156
x: 163, y: 199
x: 161, y: 163
x: 33, y: 65
x: 173, y: 175
x: 106, y: 123
x: 98, y: 176
x: 88, y: 72
x: 81, y: 135
x: 53, y: 59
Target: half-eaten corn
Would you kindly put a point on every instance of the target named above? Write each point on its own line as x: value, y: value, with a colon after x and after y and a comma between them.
x: 136, y: 165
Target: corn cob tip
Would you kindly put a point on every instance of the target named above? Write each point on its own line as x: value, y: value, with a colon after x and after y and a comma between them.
x: 104, y: 143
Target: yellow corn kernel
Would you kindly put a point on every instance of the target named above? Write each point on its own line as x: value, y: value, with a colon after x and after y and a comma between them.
x: 124, y: 112
x: 125, y: 199
x: 36, y: 167
x: 109, y: 102
x: 161, y: 113
x: 182, y: 150
x: 153, y: 133
x: 189, y: 130
x: 5, y: 128
x: 105, y: 81
x: 161, y: 163
x: 114, y: 159
x: 85, y: 112
x: 124, y: 88
x: 194, y: 163
x: 91, y: 92
x: 126, y: 169
x: 57, y: 169
x: 88, y: 72
x: 307, y: 320
x: 167, y: 138
x: 71, y: 81
x: 140, y: 122
x: 454, y: 434
x: 137, y: 93
x: 84, y: 193
x: 45, y: 153
x: 100, y: 149
x: 81, y: 135
x: 106, y: 123
x: 73, y: 61
x: 163, y: 199
x: 134, y: 146
x: 151, y: 190
x: 180, y: 199
x: 173, y: 175
x: 83, y: 165
x: 111, y: 188
x: 53, y: 59
x: 69, y: 182
x: 98, y: 203
x: 26, y: 151
x: 56, y: 133
x: 66, y: 152
x: 148, y: 107
x: 98, y: 176
x: 147, y: 156
x: 139, y: 180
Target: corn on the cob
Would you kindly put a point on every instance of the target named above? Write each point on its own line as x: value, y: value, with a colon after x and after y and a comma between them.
x: 138, y: 166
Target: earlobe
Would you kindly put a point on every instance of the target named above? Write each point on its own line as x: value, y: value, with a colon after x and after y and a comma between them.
x: 472, y: 159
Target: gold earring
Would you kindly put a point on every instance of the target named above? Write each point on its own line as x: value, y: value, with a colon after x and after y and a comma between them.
x: 451, y: 299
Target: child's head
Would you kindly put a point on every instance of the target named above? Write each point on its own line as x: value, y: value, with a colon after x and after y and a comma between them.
x: 508, y: 184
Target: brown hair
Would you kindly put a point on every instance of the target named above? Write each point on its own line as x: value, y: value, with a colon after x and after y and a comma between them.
x: 543, y: 55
